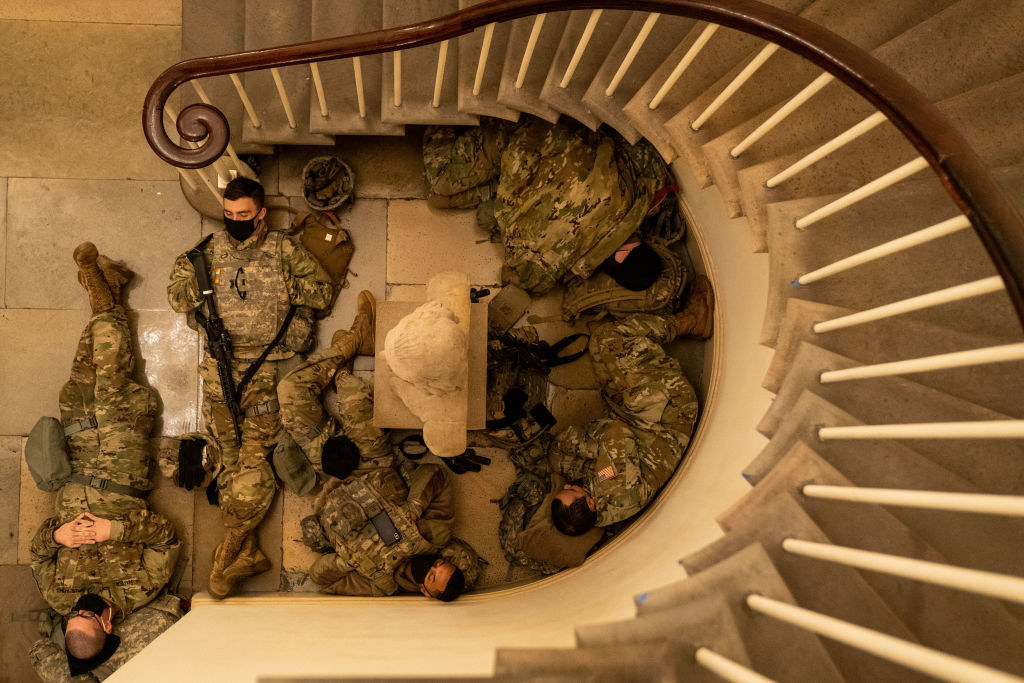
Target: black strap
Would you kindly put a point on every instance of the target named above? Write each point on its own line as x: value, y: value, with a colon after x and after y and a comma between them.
x: 250, y: 371
x: 106, y: 485
x: 553, y: 359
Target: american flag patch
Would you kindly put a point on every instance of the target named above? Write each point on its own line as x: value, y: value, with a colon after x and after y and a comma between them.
x: 605, y: 473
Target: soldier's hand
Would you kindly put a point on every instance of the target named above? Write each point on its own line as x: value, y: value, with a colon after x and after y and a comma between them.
x: 100, y: 527
x: 75, y: 533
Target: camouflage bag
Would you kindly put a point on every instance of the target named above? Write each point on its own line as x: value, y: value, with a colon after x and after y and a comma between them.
x: 46, y: 455
x: 330, y: 245
x: 600, y: 293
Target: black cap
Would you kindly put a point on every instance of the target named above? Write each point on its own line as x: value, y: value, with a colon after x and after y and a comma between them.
x: 80, y: 666
x: 339, y: 456
x: 638, y: 271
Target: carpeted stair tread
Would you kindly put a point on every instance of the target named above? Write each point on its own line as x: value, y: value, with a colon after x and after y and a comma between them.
x: 659, y: 44
x: 568, y: 100
x: 835, y: 590
x: 977, y: 541
x: 331, y: 18
x: 419, y: 70
x: 527, y: 98
x: 924, y: 608
x: 771, y: 645
x: 996, y: 465
x: 485, y: 103
x: 657, y: 660
x: 996, y: 386
x: 270, y: 24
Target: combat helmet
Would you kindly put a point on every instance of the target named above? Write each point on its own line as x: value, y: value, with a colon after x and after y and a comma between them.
x: 327, y: 183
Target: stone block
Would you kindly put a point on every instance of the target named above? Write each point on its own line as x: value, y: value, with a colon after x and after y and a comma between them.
x: 166, y: 359
x: 34, y: 506
x: 175, y: 503
x: 575, y: 406
x: 421, y: 239
x: 296, y: 557
x: 10, y: 494
x: 3, y: 242
x: 146, y: 224
x: 149, y: 12
x: 20, y: 626
x: 73, y: 93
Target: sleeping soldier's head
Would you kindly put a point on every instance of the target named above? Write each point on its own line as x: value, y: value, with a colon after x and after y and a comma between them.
x: 436, y: 577
x: 635, y: 265
x: 86, y: 637
x: 243, y: 207
x: 573, y: 511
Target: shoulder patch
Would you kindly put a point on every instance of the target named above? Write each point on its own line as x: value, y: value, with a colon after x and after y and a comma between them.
x: 606, y: 473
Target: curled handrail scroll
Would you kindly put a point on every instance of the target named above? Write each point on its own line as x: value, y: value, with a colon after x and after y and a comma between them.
x: 961, y: 171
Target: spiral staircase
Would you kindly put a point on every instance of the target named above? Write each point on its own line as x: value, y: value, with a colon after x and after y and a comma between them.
x: 878, y: 535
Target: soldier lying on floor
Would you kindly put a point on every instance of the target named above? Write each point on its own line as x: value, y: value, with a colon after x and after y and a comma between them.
x: 104, y: 554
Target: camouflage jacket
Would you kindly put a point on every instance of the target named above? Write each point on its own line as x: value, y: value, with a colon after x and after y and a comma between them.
x: 306, y: 283
x: 458, y: 160
x: 422, y: 511
x: 566, y: 201
x: 129, y: 569
x: 137, y: 631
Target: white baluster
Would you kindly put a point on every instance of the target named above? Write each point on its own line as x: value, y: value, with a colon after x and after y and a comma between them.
x: 581, y: 47
x: 911, y: 655
x: 284, y: 97
x: 683, y: 64
x: 784, y: 111
x: 742, y: 77
x: 634, y: 49
x: 970, y: 580
x: 319, y: 86
x: 874, y: 187
x: 914, y: 239
x: 943, y: 361
x: 246, y: 102
x: 357, y: 71
x: 980, y: 287
x: 397, y: 82
x: 949, y: 501
x: 481, y: 63
x: 442, y: 57
x: 832, y: 145
x: 984, y: 429
x: 188, y: 181
x: 728, y: 669
x: 531, y: 44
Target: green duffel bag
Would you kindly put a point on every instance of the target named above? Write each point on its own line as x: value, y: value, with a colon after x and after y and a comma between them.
x: 46, y: 455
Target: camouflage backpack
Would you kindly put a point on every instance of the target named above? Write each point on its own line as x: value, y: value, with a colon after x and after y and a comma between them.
x: 601, y: 293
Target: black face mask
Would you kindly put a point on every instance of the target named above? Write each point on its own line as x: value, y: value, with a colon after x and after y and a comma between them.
x: 90, y: 602
x: 240, y: 230
x: 420, y: 565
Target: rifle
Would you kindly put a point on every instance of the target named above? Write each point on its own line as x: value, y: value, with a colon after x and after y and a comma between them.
x: 218, y: 342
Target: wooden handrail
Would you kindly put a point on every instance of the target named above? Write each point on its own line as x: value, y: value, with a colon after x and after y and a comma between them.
x: 961, y: 171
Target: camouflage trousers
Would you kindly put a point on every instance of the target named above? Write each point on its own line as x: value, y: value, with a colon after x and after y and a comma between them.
x: 462, y: 164
x: 245, y: 484
x: 101, y: 386
x: 301, y: 394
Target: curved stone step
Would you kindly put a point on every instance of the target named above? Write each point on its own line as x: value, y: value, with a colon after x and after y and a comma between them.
x: 997, y: 386
x: 486, y: 102
x: 568, y: 100
x: 527, y: 98
x: 978, y: 541
x: 660, y: 42
x: 656, y: 660
x: 940, y: 617
x: 835, y: 590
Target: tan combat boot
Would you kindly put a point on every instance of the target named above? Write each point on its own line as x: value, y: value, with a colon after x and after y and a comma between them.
x: 117, y: 276
x: 358, y: 339
x: 89, y: 274
x: 249, y: 562
x: 697, y: 317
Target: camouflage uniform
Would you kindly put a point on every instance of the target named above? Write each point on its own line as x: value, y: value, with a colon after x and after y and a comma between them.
x: 300, y: 394
x: 566, y: 201
x: 623, y: 461
x: 278, y: 274
x: 461, y: 164
x: 422, y: 510
x: 136, y: 632
x: 133, y: 566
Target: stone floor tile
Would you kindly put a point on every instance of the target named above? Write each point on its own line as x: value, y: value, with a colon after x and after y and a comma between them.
x: 423, y: 241
x: 109, y: 11
x: 73, y: 92
x: 167, y: 357
x: 545, y: 313
x: 10, y: 494
x: 3, y: 242
x: 34, y: 507
x: 38, y: 349
x: 296, y: 556
x: 20, y: 626
x: 175, y: 503
x: 146, y: 224
x: 386, y: 166
x: 575, y: 406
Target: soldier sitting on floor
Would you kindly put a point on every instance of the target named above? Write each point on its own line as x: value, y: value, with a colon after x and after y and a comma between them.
x: 104, y: 554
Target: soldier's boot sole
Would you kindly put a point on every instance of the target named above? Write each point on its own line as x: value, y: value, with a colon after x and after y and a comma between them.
x: 696, y: 320
x: 116, y: 274
x: 359, y: 339
x: 248, y: 564
x: 101, y: 299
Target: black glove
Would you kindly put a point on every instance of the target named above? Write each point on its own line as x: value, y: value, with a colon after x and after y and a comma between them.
x: 190, y: 464
x: 213, y: 493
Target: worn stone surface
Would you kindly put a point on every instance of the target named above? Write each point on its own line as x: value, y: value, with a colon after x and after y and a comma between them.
x: 167, y: 355
x: 20, y: 626
x: 146, y: 224
x: 3, y: 242
x: 420, y: 240
x: 575, y: 406
x: 34, y: 506
x: 175, y: 503
x: 72, y: 92
x: 295, y: 556
x: 164, y: 12
x: 10, y: 494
